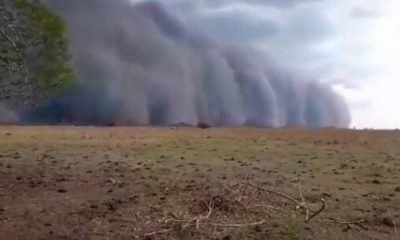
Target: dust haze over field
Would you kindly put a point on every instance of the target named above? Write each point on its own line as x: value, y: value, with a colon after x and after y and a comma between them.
x: 140, y: 63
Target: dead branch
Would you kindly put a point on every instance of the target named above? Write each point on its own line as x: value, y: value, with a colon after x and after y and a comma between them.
x: 343, y: 222
x: 194, y: 221
x: 266, y: 206
x: 301, y: 193
x: 202, y: 218
x: 318, y: 211
x: 303, y: 205
x: 291, y: 199
x: 241, y: 204
x: 239, y: 225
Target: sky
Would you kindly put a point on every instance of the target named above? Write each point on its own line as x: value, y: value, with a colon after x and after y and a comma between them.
x: 351, y: 44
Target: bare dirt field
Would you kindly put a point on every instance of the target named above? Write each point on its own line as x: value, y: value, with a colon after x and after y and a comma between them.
x: 188, y: 183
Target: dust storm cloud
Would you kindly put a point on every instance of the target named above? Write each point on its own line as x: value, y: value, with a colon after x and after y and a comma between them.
x: 141, y: 64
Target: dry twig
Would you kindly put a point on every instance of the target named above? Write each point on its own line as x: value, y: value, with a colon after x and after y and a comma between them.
x: 239, y: 225
x: 318, y: 211
x: 298, y: 204
x: 291, y: 199
x: 343, y: 222
x: 304, y: 204
x: 186, y: 222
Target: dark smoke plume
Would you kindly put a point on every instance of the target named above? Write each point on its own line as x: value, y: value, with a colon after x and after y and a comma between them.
x: 139, y: 63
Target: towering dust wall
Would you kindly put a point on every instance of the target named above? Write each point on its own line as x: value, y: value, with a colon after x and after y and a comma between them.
x: 139, y: 63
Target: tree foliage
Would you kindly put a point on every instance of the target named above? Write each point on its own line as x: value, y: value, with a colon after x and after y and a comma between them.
x: 55, y: 72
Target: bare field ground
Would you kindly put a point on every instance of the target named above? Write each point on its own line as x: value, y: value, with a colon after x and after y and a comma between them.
x: 188, y: 183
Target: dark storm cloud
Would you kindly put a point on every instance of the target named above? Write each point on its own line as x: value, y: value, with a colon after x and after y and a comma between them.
x: 141, y: 64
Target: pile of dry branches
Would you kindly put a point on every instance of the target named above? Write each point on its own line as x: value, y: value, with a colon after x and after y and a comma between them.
x: 246, y: 197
